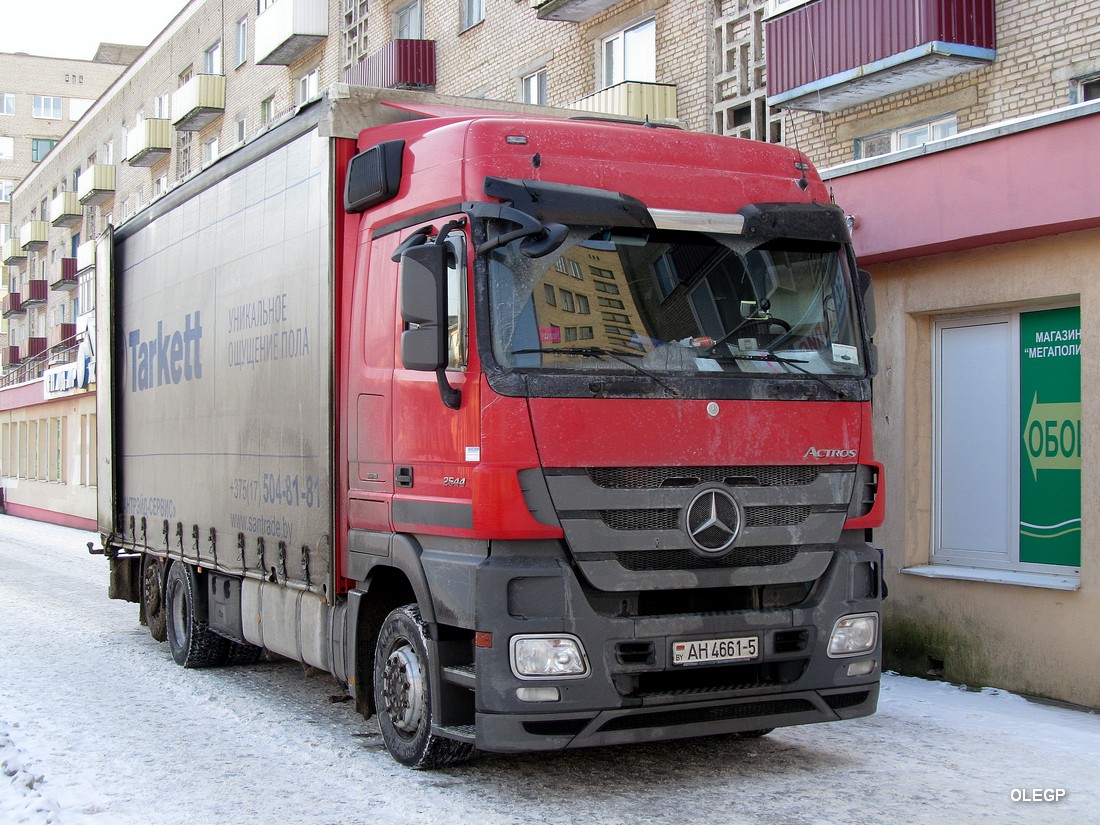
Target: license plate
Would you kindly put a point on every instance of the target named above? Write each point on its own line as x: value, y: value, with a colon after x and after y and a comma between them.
x: 708, y: 651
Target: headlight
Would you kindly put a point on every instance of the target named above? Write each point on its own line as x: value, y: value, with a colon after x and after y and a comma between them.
x: 548, y: 657
x: 853, y: 635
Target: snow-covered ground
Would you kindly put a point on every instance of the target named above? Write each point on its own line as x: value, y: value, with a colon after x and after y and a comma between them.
x: 98, y: 725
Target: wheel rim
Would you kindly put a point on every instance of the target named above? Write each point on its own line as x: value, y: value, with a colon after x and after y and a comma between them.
x: 403, y: 689
x: 177, y: 604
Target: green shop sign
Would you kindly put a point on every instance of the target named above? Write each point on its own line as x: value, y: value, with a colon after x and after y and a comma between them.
x: 1050, y: 423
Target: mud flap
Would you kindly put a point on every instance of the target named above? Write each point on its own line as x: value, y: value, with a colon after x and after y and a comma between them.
x: 125, y: 581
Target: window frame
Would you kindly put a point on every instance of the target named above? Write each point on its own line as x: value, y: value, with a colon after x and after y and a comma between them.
x: 415, y: 29
x: 538, y: 82
x: 473, y: 12
x: 895, y: 135
x: 36, y: 154
x: 213, y: 62
x: 54, y: 111
x: 7, y: 104
x: 240, y: 34
x: 1001, y: 564
x: 621, y: 60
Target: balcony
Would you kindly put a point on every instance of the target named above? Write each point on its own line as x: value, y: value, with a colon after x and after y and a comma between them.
x: 63, y: 275
x: 289, y: 29
x: 832, y: 54
x: 65, y: 210
x: 96, y: 184
x: 35, y: 235
x: 13, y: 305
x: 573, y: 11
x: 400, y: 64
x: 34, y: 347
x: 62, y: 335
x: 149, y: 142
x: 85, y: 256
x: 13, y: 252
x: 640, y: 101
x: 9, y: 357
x: 199, y: 102
x: 37, y: 292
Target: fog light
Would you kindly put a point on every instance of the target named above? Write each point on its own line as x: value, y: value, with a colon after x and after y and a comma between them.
x: 861, y: 668
x: 538, y: 694
x: 548, y: 657
x: 853, y: 635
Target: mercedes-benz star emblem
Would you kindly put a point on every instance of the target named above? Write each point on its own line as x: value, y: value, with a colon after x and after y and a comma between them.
x: 713, y: 521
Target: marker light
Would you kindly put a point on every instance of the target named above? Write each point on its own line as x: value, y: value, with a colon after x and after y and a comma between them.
x: 853, y: 635
x: 548, y: 657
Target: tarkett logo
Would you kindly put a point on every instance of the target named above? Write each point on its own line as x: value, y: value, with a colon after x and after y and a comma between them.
x: 168, y: 357
x: 813, y: 452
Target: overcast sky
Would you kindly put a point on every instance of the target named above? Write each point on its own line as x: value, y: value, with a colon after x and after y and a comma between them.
x: 75, y: 28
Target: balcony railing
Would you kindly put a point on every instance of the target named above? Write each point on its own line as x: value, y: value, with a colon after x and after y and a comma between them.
x: 63, y: 275
x: 653, y: 101
x: 9, y: 357
x: 13, y: 252
x: 400, y: 64
x: 832, y: 54
x: 574, y: 11
x: 36, y: 292
x: 199, y: 102
x: 35, y: 235
x: 13, y: 305
x: 65, y: 210
x: 62, y: 335
x: 85, y: 256
x: 288, y: 29
x: 35, y: 347
x: 148, y: 142
x: 96, y: 184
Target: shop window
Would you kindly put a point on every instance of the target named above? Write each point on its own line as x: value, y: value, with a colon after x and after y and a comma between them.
x: 1007, y: 442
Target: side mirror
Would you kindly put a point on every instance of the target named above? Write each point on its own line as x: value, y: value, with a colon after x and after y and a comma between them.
x: 423, y: 300
x: 423, y: 296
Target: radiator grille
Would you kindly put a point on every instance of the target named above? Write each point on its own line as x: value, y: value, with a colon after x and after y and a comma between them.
x: 629, y: 478
x: 639, y: 561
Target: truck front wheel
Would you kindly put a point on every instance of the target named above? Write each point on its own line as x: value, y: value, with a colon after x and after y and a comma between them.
x: 193, y: 643
x: 403, y: 694
x: 152, y: 597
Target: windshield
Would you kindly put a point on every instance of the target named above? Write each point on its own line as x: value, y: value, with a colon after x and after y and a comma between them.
x: 675, y: 302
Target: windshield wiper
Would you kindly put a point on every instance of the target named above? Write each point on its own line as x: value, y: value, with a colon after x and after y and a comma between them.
x: 600, y: 352
x: 779, y: 359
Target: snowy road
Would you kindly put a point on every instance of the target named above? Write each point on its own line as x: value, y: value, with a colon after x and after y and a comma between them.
x: 98, y: 725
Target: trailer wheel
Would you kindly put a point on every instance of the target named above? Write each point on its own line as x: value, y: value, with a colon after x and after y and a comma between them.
x: 403, y: 694
x: 152, y: 597
x: 193, y: 643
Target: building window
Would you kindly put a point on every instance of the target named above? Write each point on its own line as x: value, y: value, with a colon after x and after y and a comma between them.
x: 408, y: 21
x: 1007, y: 442
x: 209, y: 151
x: 567, y: 303
x: 242, y: 40
x: 212, y: 59
x: 7, y: 148
x: 906, y: 137
x: 473, y: 12
x: 40, y: 147
x: 7, y: 103
x: 630, y: 54
x: 550, y: 295
x: 242, y: 130
x: 267, y: 110
x: 264, y: 5
x: 47, y: 107
x: 534, y: 88
x: 160, y: 105
x: 308, y: 86
x: 5, y: 189
x: 1087, y: 88
x: 582, y: 305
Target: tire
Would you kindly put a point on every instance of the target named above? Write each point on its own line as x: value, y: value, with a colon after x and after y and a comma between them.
x: 403, y: 694
x: 193, y: 643
x: 152, y: 597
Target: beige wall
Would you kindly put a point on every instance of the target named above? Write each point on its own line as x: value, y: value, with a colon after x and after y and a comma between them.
x: 38, y: 472
x: 1027, y: 639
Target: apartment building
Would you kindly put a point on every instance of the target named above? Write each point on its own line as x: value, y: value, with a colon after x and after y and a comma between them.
x: 956, y: 136
x: 41, y: 98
